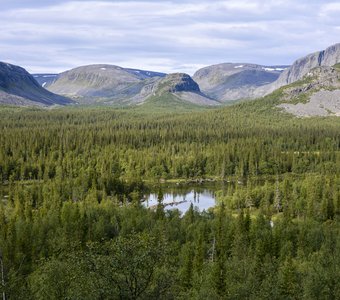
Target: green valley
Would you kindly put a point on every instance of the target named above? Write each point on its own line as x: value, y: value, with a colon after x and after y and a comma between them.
x: 73, y: 224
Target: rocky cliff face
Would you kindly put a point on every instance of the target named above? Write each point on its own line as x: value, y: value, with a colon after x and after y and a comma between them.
x: 178, y: 86
x: 230, y: 81
x: 184, y: 88
x: 177, y: 82
x: 18, y: 87
x: 303, y: 66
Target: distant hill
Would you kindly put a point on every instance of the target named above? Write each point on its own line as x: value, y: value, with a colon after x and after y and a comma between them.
x: 120, y: 86
x: 234, y: 81
x: 101, y: 83
x: 18, y: 87
x: 176, y: 86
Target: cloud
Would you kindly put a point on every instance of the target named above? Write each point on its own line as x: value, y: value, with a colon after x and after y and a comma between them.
x: 163, y: 35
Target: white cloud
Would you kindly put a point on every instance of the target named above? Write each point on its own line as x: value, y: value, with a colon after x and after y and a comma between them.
x: 164, y: 35
x: 330, y: 8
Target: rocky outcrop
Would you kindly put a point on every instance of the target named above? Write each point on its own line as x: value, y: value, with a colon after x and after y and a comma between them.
x: 18, y: 87
x: 317, y: 94
x: 316, y: 79
x: 179, y: 85
x: 177, y: 82
x: 321, y: 103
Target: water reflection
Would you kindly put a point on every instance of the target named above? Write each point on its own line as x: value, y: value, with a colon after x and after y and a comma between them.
x: 181, y: 199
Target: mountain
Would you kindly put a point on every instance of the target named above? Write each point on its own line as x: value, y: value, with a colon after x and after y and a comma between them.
x: 101, y: 83
x: 18, y: 87
x: 315, y: 94
x: 178, y: 86
x: 115, y: 85
x: 303, y: 66
x: 234, y: 81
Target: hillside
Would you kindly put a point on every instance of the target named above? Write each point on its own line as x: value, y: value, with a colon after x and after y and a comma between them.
x: 98, y: 83
x: 18, y: 87
x: 316, y: 94
x: 234, y: 81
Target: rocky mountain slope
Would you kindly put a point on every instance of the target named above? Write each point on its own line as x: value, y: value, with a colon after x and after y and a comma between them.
x: 231, y: 81
x: 301, y: 67
x: 18, y: 87
x: 316, y: 94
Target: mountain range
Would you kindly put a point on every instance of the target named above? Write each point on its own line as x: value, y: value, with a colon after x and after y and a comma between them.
x: 210, y: 86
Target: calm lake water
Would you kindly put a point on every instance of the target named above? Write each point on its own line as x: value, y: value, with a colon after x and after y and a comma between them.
x: 180, y: 197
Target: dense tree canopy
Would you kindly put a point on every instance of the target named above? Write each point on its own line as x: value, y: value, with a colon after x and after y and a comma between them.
x: 72, y: 223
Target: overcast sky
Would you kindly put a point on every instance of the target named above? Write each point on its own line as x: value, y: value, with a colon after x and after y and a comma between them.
x: 167, y: 36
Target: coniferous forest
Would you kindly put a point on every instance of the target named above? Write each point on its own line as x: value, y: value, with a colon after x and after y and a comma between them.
x: 73, y: 224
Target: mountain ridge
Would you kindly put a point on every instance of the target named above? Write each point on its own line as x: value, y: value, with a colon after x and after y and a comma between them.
x: 18, y: 87
x: 234, y: 81
x: 328, y: 57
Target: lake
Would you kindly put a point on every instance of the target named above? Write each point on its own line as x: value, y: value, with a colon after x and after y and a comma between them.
x: 181, y: 197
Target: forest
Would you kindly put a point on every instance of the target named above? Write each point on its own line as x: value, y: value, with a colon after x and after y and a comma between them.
x: 73, y: 224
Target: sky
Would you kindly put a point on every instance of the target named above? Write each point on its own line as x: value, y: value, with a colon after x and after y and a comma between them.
x: 52, y: 36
